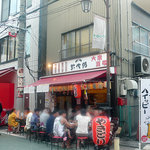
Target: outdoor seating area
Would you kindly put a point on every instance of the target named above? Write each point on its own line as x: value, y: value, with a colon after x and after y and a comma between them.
x: 60, y: 131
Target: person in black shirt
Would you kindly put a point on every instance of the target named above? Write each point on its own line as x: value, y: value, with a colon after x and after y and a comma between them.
x: 50, y: 122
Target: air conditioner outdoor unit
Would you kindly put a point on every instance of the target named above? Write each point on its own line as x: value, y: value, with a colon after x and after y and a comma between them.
x: 142, y: 65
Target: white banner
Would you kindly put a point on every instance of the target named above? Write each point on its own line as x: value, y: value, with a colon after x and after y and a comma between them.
x: 145, y: 110
x: 99, y: 33
x: 42, y: 88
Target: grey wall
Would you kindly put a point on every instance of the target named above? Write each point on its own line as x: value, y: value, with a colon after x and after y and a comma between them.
x: 140, y: 17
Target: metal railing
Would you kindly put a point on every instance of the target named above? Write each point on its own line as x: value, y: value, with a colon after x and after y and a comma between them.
x: 141, y: 48
x: 78, y: 51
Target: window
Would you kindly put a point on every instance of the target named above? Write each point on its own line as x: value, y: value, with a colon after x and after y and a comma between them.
x: 3, y: 50
x: 28, y: 41
x: 28, y: 3
x: 11, y: 48
x: 7, y: 49
x: 140, y: 40
x: 18, y: 6
x: 5, y: 9
x: 77, y: 43
x: 14, y: 7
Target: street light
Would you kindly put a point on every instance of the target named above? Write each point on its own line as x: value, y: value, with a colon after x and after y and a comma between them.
x: 86, y: 5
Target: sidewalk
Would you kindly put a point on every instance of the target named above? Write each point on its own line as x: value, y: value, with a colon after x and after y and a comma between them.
x: 125, y: 143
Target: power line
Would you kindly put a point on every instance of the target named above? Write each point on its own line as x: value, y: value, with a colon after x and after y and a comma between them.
x: 57, y: 10
x: 42, y: 7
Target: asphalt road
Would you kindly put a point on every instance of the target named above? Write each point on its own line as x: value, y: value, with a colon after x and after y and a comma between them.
x: 9, y: 142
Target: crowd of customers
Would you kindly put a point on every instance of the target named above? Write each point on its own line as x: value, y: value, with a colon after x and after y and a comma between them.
x: 57, y: 123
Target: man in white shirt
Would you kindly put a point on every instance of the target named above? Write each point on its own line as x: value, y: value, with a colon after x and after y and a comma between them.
x: 28, y: 119
x: 43, y: 118
x: 83, y: 124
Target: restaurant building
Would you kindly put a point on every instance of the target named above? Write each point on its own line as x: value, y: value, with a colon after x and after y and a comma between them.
x: 71, y: 64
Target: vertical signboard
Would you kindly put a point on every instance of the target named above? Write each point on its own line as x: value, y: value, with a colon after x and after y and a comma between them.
x: 145, y: 110
x: 99, y: 33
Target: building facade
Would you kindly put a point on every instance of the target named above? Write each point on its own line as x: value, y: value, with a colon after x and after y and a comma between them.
x: 69, y: 37
x: 9, y: 14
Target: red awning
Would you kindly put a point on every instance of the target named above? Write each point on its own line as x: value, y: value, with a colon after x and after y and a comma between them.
x: 69, y: 79
x: 7, y: 75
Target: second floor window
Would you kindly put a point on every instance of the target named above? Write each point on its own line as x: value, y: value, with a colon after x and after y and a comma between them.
x: 28, y: 3
x: 77, y: 43
x: 141, y: 42
x: 14, y: 6
x: 5, y: 10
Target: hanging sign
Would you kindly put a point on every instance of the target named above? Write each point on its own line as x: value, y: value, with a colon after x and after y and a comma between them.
x: 101, y: 130
x: 77, y: 91
x: 99, y: 33
x: 145, y: 110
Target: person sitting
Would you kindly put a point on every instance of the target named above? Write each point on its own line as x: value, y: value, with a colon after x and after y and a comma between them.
x: 35, y: 120
x: 12, y: 121
x: 83, y: 124
x: 61, y: 126
x: 28, y: 119
x: 50, y: 122
x: 43, y: 118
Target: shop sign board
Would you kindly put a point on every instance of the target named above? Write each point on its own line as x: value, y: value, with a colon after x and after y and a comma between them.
x: 79, y: 64
x: 145, y: 110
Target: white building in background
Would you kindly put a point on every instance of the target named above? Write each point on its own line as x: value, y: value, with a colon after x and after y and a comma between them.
x: 9, y: 13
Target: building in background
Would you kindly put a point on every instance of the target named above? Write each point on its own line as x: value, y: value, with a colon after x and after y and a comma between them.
x: 9, y: 14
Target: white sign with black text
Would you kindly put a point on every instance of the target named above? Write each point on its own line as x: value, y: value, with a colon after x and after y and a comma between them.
x: 79, y: 64
x: 145, y: 110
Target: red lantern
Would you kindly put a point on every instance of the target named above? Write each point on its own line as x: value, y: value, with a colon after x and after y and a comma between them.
x: 77, y: 91
x: 101, y: 130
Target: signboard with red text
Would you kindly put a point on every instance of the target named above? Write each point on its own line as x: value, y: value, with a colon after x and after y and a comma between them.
x: 80, y: 64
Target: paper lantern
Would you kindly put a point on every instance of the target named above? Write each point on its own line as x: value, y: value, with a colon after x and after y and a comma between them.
x: 101, y: 130
x: 77, y: 91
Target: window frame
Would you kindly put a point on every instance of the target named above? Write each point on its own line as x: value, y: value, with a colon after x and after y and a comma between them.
x: 2, y: 20
x: 7, y: 51
x: 140, y: 46
x: 28, y: 6
x: 89, y: 26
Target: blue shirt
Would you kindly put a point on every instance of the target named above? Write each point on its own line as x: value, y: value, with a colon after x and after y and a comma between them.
x: 50, y: 124
x: 34, y: 121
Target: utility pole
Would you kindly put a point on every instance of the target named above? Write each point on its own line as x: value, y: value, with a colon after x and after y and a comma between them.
x: 20, y: 51
x: 107, y: 3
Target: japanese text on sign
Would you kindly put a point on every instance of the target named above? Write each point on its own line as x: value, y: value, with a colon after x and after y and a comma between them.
x: 91, y: 62
x: 145, y: 110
